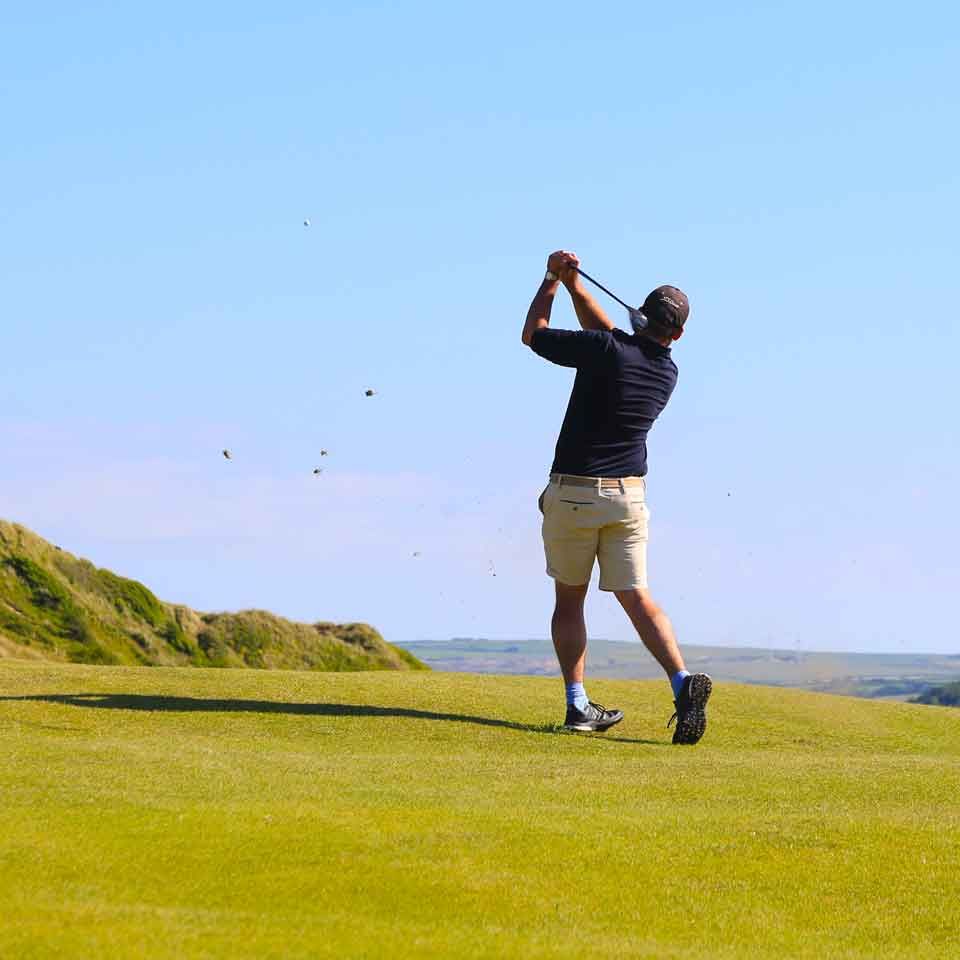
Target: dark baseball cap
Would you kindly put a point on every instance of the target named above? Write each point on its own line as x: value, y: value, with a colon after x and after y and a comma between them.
x: 667, y: 306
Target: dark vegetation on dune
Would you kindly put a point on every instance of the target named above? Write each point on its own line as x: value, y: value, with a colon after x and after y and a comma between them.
x: 56, y: 606
x: 946, y: 695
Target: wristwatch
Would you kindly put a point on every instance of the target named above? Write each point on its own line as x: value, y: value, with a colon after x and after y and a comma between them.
x: 551, y: 276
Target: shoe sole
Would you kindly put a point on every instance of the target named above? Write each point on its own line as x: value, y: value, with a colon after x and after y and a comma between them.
x: 591, y: 727
x: 694, y: 724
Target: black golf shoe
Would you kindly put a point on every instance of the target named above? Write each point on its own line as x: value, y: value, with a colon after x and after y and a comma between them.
x: 592, y: 720
x: 691, y: 712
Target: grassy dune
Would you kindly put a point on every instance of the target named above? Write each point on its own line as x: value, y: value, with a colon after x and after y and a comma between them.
x: 184, y: 812
x: 56, y: 606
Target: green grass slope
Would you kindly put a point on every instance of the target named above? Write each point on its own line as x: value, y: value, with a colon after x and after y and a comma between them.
x: 181, y: 813
x: 56, y: 606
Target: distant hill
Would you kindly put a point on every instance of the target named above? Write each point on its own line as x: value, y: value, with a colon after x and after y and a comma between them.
x: 875, y: 675
x: 56, y: 606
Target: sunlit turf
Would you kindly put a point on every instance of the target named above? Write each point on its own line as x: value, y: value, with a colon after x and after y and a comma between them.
x: 180, y: 812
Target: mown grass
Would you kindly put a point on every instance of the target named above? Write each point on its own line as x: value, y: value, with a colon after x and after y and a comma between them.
x: 228, y: 813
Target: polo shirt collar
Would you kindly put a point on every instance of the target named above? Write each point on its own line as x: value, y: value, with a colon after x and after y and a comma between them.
x: 651, y: 346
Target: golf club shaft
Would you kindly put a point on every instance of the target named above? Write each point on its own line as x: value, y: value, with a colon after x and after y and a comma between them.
x: 596, y: 283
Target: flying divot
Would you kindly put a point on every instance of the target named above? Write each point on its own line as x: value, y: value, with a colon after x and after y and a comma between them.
x: 416, y: 553
x: 227, y: 455
x: 317, y: 471
x: 306, y: 223
x: 369, y: 393
x: 324, y: 453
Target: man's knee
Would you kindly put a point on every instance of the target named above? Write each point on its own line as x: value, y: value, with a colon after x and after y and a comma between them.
x: 638, y: 602
x: 570, y: 598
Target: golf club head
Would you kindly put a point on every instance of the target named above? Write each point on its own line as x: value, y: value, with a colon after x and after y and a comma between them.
x: 638, y: 319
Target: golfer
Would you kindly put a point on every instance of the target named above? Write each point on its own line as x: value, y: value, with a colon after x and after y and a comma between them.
x: 594, y: 507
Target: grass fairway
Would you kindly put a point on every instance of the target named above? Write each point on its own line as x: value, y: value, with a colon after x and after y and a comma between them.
x: 178, y: 812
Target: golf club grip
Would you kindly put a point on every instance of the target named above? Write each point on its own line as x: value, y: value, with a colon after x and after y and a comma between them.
x: 596, y: 283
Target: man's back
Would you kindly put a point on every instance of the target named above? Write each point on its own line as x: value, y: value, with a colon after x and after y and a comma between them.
x: 623, y: 383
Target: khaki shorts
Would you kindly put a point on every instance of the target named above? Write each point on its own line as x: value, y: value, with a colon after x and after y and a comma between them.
x: 603, y: 522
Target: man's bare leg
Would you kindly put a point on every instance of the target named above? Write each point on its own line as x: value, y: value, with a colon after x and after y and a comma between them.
x: 690, y: 692
x: 570, y: 642
x: 569, y: 631
x: 654, y: 628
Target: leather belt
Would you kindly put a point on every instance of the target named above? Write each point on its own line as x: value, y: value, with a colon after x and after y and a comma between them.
x: 568, y: 480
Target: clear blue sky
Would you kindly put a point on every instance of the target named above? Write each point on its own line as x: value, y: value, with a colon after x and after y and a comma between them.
x: 793, y: 167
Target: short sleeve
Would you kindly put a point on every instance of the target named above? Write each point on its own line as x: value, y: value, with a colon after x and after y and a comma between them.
x: 583, y: 349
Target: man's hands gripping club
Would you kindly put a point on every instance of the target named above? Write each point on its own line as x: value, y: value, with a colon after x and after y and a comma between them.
x: 588, y: 311
x: 563, y: 264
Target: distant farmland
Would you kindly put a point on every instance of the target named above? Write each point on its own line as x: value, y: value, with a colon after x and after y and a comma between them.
x: 887, y: 676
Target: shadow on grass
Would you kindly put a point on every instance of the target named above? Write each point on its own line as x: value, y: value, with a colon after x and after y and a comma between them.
x: 137, y: 701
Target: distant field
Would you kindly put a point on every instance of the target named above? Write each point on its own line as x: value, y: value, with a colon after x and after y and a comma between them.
x: 195, y: 813
x: 897, y: 676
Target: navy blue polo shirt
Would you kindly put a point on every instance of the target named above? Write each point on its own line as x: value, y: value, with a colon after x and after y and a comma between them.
x: 623, y: 382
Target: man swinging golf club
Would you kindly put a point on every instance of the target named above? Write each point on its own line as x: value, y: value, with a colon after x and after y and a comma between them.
x: 594, y: 507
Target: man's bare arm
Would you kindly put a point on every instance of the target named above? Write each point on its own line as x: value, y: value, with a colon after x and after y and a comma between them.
x: 588, y: 311
x: 538, y: 316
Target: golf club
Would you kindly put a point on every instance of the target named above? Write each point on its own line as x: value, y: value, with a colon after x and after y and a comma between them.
x: 637, y: 317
